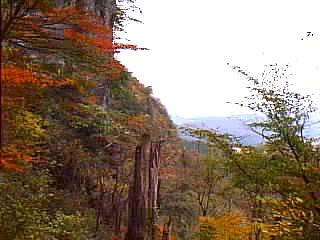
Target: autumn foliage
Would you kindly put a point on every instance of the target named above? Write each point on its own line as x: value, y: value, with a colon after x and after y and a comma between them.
x: 229, y: 226
x: 14, y: 76
x: 9, y: 160
x: 71, y: 118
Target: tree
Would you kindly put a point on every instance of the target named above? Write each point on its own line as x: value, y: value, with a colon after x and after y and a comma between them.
x: 230, y: 226
x: 255, y: 174
x: 297, y: 175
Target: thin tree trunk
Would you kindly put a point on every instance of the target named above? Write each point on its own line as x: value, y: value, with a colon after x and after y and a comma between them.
x: 143, y: 193
x: 154, y: 187
x: 137, y: 201
x: 166, y: 230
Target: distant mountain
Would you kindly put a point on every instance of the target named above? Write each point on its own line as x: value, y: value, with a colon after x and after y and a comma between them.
x: 237, y: 126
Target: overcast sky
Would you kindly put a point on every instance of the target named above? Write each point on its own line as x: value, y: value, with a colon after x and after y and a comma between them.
x: 191, y: 43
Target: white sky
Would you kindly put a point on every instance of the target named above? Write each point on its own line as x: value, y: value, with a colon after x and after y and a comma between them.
x: 191, y: 42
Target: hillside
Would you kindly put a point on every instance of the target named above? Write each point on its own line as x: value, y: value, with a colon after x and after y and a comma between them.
x: 81, y: 138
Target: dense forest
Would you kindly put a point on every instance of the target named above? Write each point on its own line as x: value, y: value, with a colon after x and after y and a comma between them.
x: 87, y: 151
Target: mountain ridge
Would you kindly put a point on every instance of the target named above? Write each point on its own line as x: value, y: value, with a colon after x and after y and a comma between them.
x: 236, y: 125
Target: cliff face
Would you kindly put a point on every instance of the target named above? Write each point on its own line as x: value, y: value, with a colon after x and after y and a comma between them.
x: 106, y: 9
x: 75, y: 120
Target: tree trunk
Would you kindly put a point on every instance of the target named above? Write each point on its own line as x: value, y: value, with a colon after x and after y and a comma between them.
x: 166, y: 230
x: 153, y: 191
x: 143, y: 193
x: 137, y: 198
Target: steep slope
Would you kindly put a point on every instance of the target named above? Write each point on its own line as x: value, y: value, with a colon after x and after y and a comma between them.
x: 72, y: 119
